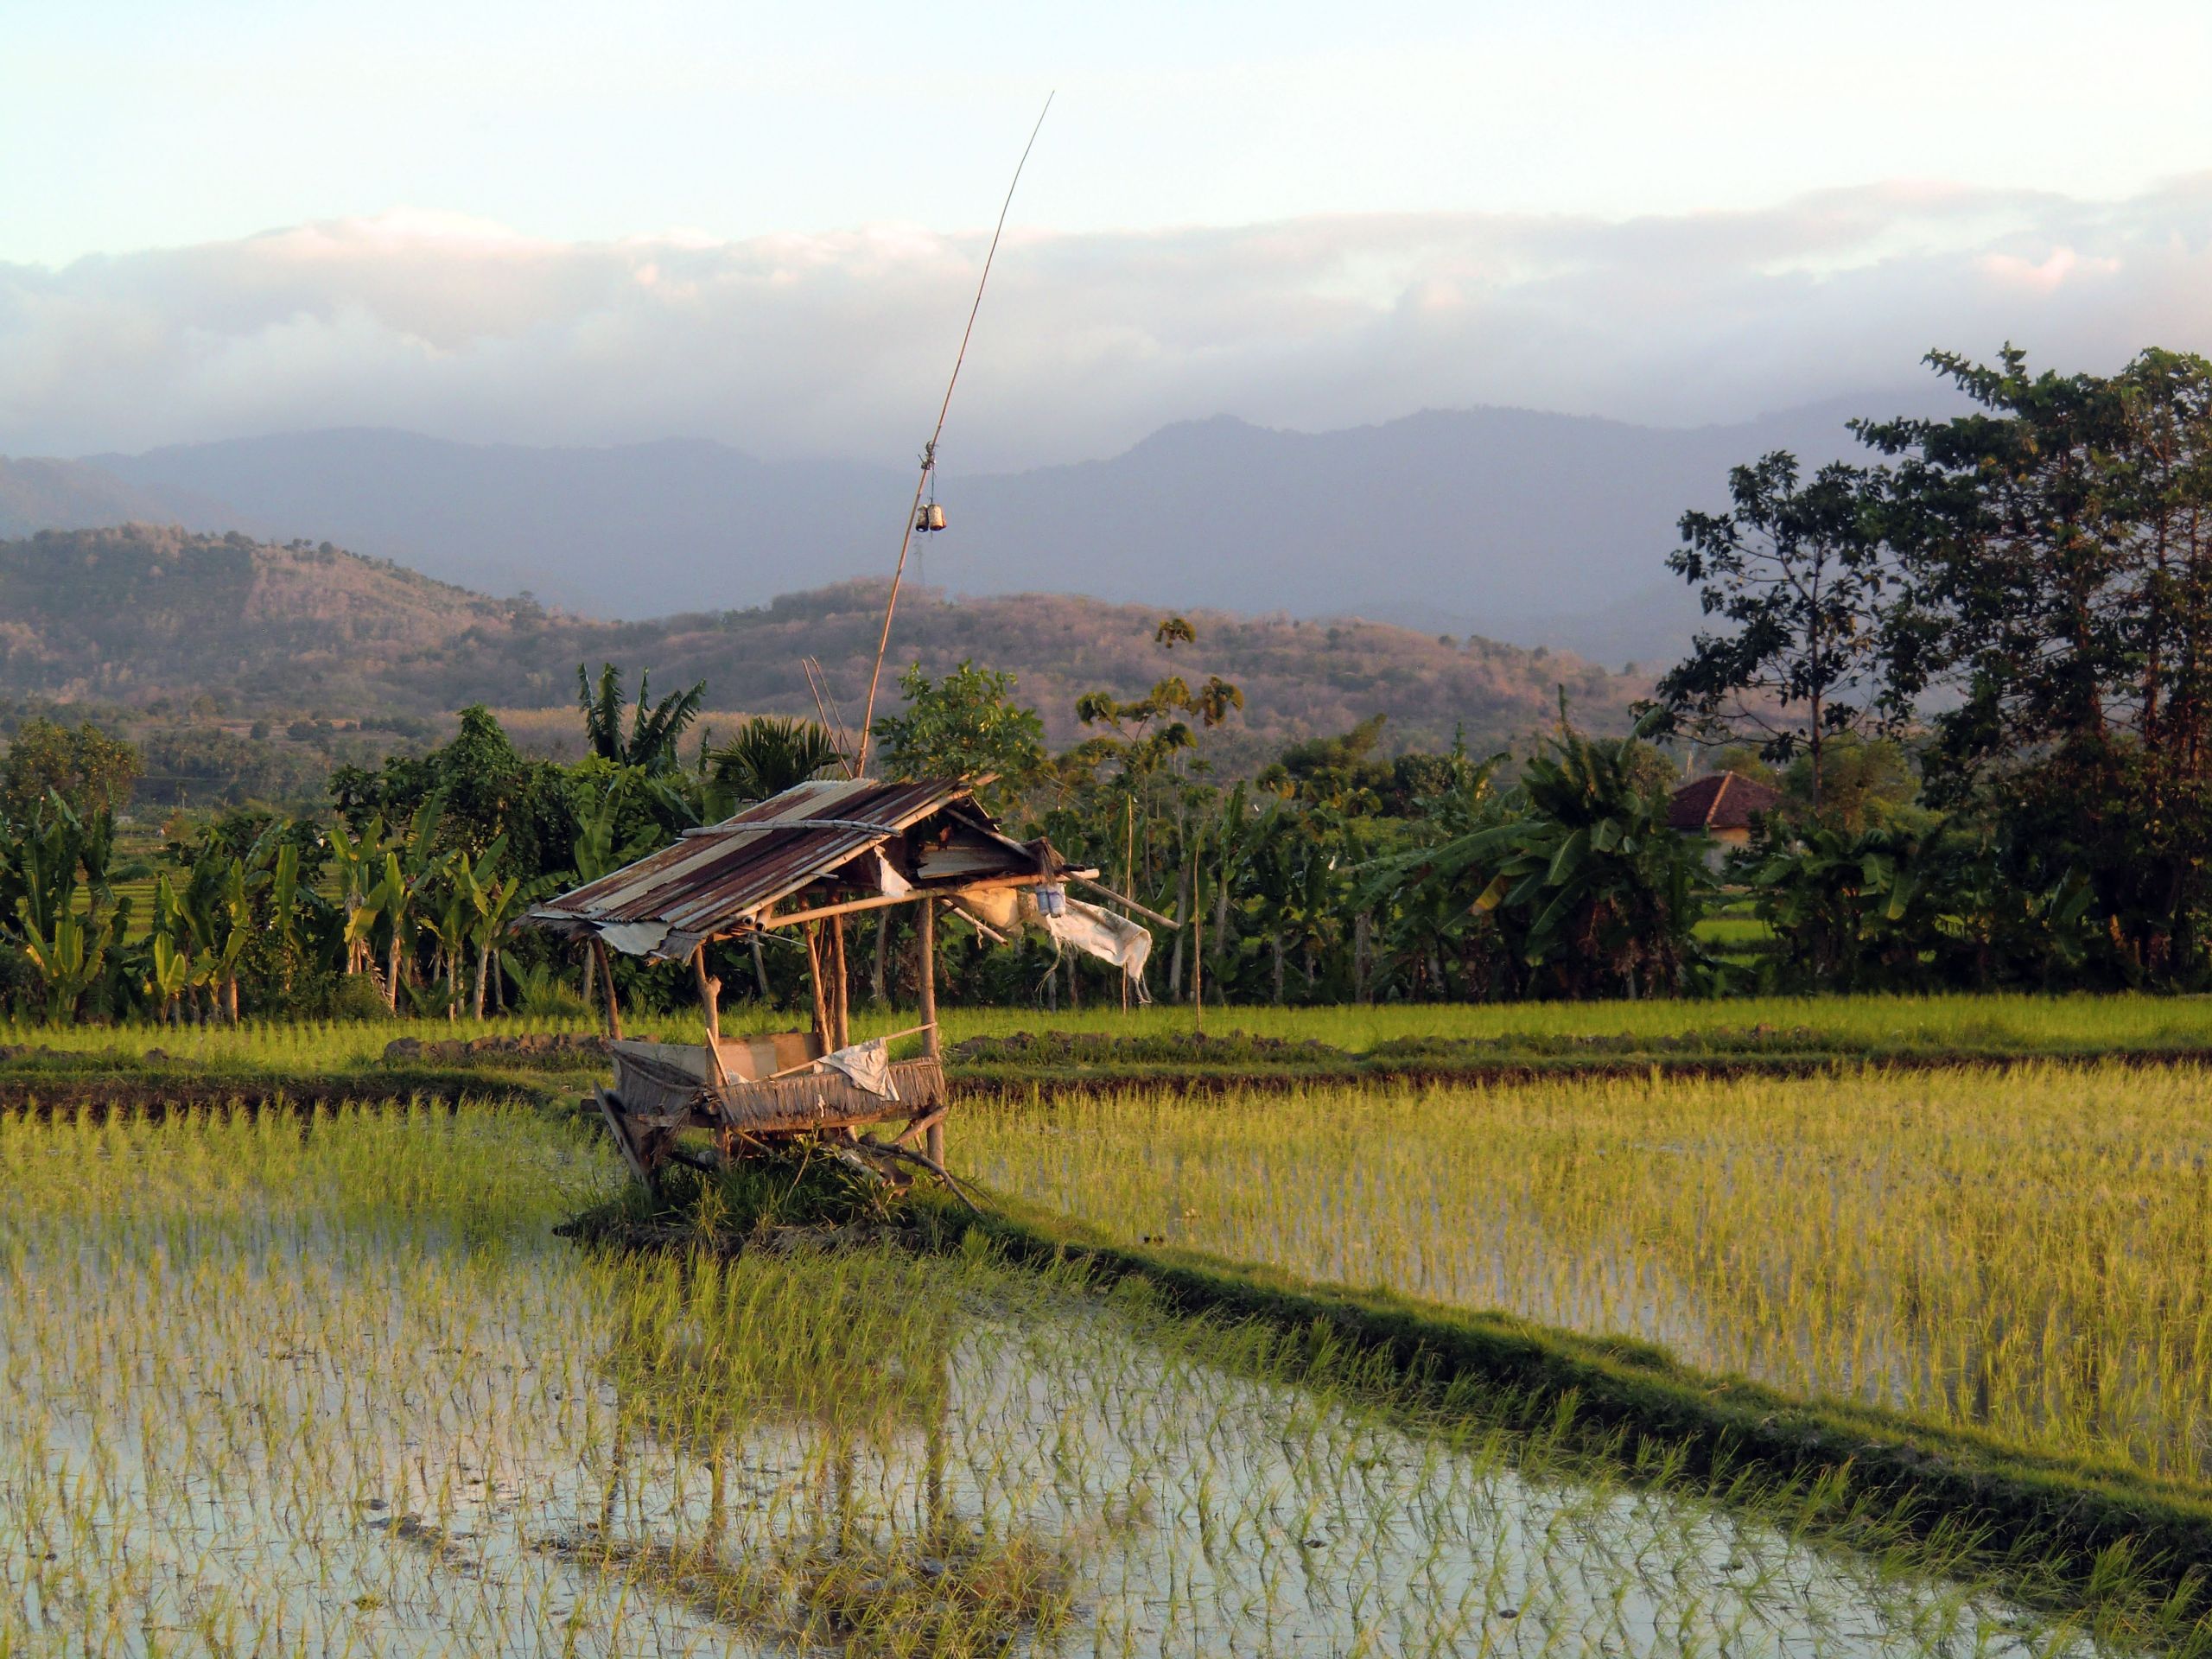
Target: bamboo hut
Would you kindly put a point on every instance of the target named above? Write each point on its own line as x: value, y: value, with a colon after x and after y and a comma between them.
x: 800, y: 863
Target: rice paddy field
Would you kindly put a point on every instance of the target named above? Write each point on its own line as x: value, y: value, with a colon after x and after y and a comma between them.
x: 326, y: 1381
x: 332, y: 1386
x: 2025, y: 1251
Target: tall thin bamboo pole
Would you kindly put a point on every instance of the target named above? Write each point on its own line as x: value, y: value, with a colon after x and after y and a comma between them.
x: 925, y: 944
x: 929, y: 450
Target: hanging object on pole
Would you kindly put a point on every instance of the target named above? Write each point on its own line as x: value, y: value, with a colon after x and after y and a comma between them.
x: 927, y: 515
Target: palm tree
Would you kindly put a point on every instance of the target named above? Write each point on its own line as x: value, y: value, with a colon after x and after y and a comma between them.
x: 769, y: 754
x: 655, y: 727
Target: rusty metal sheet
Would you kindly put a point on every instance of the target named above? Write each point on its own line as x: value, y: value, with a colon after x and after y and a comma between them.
x: 718, y: 878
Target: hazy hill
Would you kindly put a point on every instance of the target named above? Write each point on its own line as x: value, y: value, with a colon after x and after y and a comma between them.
x: 140, y: 615
x: 1516, y: 524
x: 45, y: 494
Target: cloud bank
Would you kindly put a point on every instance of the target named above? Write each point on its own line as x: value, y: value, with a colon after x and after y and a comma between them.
x: 837, y: 344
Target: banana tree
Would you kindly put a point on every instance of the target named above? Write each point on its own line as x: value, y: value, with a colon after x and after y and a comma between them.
x: 1589, y: 888
x: 168, y: 975
x: 359, y: 861
x: 66, y: 954
x: 410, y: 864
x: 61, y: 859
x: 216, y: 917
x: 497, y: 903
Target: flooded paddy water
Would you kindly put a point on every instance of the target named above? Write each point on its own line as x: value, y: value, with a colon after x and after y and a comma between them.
x: 342, y: 1392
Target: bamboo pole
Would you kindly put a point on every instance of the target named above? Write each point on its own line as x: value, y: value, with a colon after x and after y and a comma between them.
x: 929, y: 450
x: 932, y: 1045
x: 841, y: 983
x: 847, y: 907
x: 613, y: 1001
x: 1125, y: 900
x: 814, y: 983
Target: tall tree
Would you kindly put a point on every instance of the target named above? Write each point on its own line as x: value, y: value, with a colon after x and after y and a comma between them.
x: 2056, y: 546
x: 1798, y: 569
x: 87, y: 767
x: 968, y: 724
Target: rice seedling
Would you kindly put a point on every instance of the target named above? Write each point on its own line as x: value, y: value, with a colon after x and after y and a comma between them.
x: 332, y: 1388
x: 2023, y: 1251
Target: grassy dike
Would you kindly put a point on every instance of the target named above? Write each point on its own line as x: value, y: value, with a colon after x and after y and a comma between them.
x: 2129, y: 1546
x: 117, y: 1077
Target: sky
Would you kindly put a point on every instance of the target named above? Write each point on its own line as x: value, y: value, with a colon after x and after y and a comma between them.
x: 550, y: 222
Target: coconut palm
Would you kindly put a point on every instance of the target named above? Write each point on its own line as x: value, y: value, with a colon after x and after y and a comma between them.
x: 768, y: 755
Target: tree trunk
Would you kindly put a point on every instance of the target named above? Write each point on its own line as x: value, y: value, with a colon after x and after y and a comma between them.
x: 1362, y: 956
x: 875, y: 972
x: 760, y: 968
x: 392, y: 973
x: 1220, y: 914
x: 1278, y: 944
x: 1175, y: 958
x: 483, y: 974
x: 591, y: 978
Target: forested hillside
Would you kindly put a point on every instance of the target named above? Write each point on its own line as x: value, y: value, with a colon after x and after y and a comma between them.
x: 144, y: 617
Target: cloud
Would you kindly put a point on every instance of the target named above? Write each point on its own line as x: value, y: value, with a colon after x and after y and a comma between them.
x: 839, y: 343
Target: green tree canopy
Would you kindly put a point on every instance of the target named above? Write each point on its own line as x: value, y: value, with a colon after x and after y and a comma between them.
x: 965, y: 725
x: 90, y: 770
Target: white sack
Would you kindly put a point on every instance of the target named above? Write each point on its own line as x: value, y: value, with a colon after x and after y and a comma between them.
x: 868, y: 1064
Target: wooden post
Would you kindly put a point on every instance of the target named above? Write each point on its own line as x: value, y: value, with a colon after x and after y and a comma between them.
x: 925, y: 976
x: 814, y: 983
x: 613, y: 1001
x: 710, y: 996
x: 841, y: 983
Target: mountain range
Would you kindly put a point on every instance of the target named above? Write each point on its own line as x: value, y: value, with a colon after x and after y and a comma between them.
x: 1510, y: 524
x: 156, y: 623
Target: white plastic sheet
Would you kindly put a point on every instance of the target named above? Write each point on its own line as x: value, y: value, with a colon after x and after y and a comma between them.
x: 868, y: 1066
x: 1101, y: 934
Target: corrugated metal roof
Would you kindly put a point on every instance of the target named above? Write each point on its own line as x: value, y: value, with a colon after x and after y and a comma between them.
x: 718, y: 877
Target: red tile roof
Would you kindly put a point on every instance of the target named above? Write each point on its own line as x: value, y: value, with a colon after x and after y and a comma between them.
x: 1724, y: 800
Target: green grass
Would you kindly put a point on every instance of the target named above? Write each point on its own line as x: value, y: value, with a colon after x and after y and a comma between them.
x: 1958, y: 1024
